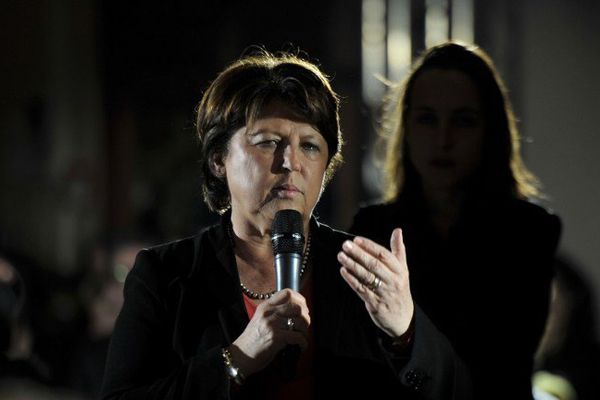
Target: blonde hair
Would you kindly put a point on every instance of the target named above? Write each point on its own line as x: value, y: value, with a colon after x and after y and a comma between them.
x: 504, y: 171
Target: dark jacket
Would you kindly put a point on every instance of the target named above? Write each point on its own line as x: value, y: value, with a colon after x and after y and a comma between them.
x: 486, y: 287
x: 183, y: 304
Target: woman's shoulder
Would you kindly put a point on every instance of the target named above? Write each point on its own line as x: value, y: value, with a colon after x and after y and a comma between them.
x: 375, y: 209
x: 377, y: 220
x: 533, y: 211
x: 171, y: 260
x: 532, y: 220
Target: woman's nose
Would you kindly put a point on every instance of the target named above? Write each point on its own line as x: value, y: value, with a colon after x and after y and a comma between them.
x: 291, y: 158
x: 445, y: 136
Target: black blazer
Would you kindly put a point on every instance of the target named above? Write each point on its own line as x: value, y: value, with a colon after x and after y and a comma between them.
x: 486, y: 288
x: 183, y: 304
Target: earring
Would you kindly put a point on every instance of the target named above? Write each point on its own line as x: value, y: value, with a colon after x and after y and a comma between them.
x: 220, y: 172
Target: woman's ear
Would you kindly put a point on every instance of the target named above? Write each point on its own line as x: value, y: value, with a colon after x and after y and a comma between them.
x: 217, y: 166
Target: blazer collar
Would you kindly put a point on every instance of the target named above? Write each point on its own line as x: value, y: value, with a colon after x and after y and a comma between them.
x: 214, y: 278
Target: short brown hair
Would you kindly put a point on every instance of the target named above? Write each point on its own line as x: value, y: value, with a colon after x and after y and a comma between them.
x: 237, y: 96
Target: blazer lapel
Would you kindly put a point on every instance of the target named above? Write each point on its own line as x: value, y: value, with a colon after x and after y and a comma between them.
x: 329, y: 309
x: 343, y: 327
x: 211, y: 288
x: 232, y: 315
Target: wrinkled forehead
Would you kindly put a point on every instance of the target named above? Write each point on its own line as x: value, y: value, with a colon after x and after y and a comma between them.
x: 279, y: 109
x: 275, y: 108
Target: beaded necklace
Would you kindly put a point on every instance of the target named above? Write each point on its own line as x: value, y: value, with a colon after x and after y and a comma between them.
x: 263, y: 296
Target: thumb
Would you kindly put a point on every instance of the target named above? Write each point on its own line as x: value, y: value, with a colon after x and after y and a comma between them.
x: 397, y: 244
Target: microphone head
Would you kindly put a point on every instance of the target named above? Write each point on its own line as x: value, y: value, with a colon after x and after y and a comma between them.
x: 287, y: 232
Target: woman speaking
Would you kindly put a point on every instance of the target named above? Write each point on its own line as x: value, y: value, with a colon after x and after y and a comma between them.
x: 202, y: 318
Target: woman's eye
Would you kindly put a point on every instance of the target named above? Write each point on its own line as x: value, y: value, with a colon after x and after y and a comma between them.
x: 268, y: 143
x: 466, y: 121
x: 312, y: 147
x: 426, y: 119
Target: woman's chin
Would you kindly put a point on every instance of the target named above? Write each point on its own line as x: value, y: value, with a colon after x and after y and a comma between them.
x: 279, y: 204
x: 443, y: 181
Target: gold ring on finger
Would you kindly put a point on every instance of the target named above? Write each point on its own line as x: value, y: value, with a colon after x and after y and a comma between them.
x: 375, y: 283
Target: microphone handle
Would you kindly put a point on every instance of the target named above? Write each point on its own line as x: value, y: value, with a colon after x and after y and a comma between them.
x: 287, y: 271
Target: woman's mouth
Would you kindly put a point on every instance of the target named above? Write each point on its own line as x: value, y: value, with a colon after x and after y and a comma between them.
x: 287, y: 191
x: 442, y: 163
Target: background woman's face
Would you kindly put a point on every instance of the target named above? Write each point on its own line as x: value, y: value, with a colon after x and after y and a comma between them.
x: 445, y: 128
x: 276, y: 163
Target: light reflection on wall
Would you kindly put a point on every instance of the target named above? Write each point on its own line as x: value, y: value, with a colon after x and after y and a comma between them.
x: 373, y: 49
x: 398, y: 39
x: 436, y: 22
x: 448, y: 19
x: 462, y: 21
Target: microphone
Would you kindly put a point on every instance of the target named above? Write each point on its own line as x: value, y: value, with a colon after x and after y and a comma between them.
x: 287, y: 239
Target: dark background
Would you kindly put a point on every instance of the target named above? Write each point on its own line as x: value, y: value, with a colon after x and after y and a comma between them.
x: 97, y: 106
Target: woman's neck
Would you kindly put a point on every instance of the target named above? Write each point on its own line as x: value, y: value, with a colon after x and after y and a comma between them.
x: 251, y: 245
x: 444, y: 207
x: 254, y: 256
x: 252, y: 239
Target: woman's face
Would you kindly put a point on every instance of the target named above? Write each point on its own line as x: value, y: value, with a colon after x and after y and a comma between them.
x: 445, y: 128
x: 278, y: 162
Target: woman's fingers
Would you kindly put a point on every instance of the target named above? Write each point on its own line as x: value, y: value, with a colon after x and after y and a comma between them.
x: 363, y: 276
x: 356, y: 285
x: 285, y: 296
x: 292, y: 322
x: 384, y: 257
x: 380, y: 278
x: 287, y: 305
x: 372, y: 264
x: 367, y: 260
x: 397, y: 244
x: 279, y: 321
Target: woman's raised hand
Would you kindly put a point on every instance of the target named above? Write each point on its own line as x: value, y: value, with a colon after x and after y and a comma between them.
x: 380, y: 278
x: 278, y: 321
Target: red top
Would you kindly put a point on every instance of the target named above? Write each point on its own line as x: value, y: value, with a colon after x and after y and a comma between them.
x: 301, y: 386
